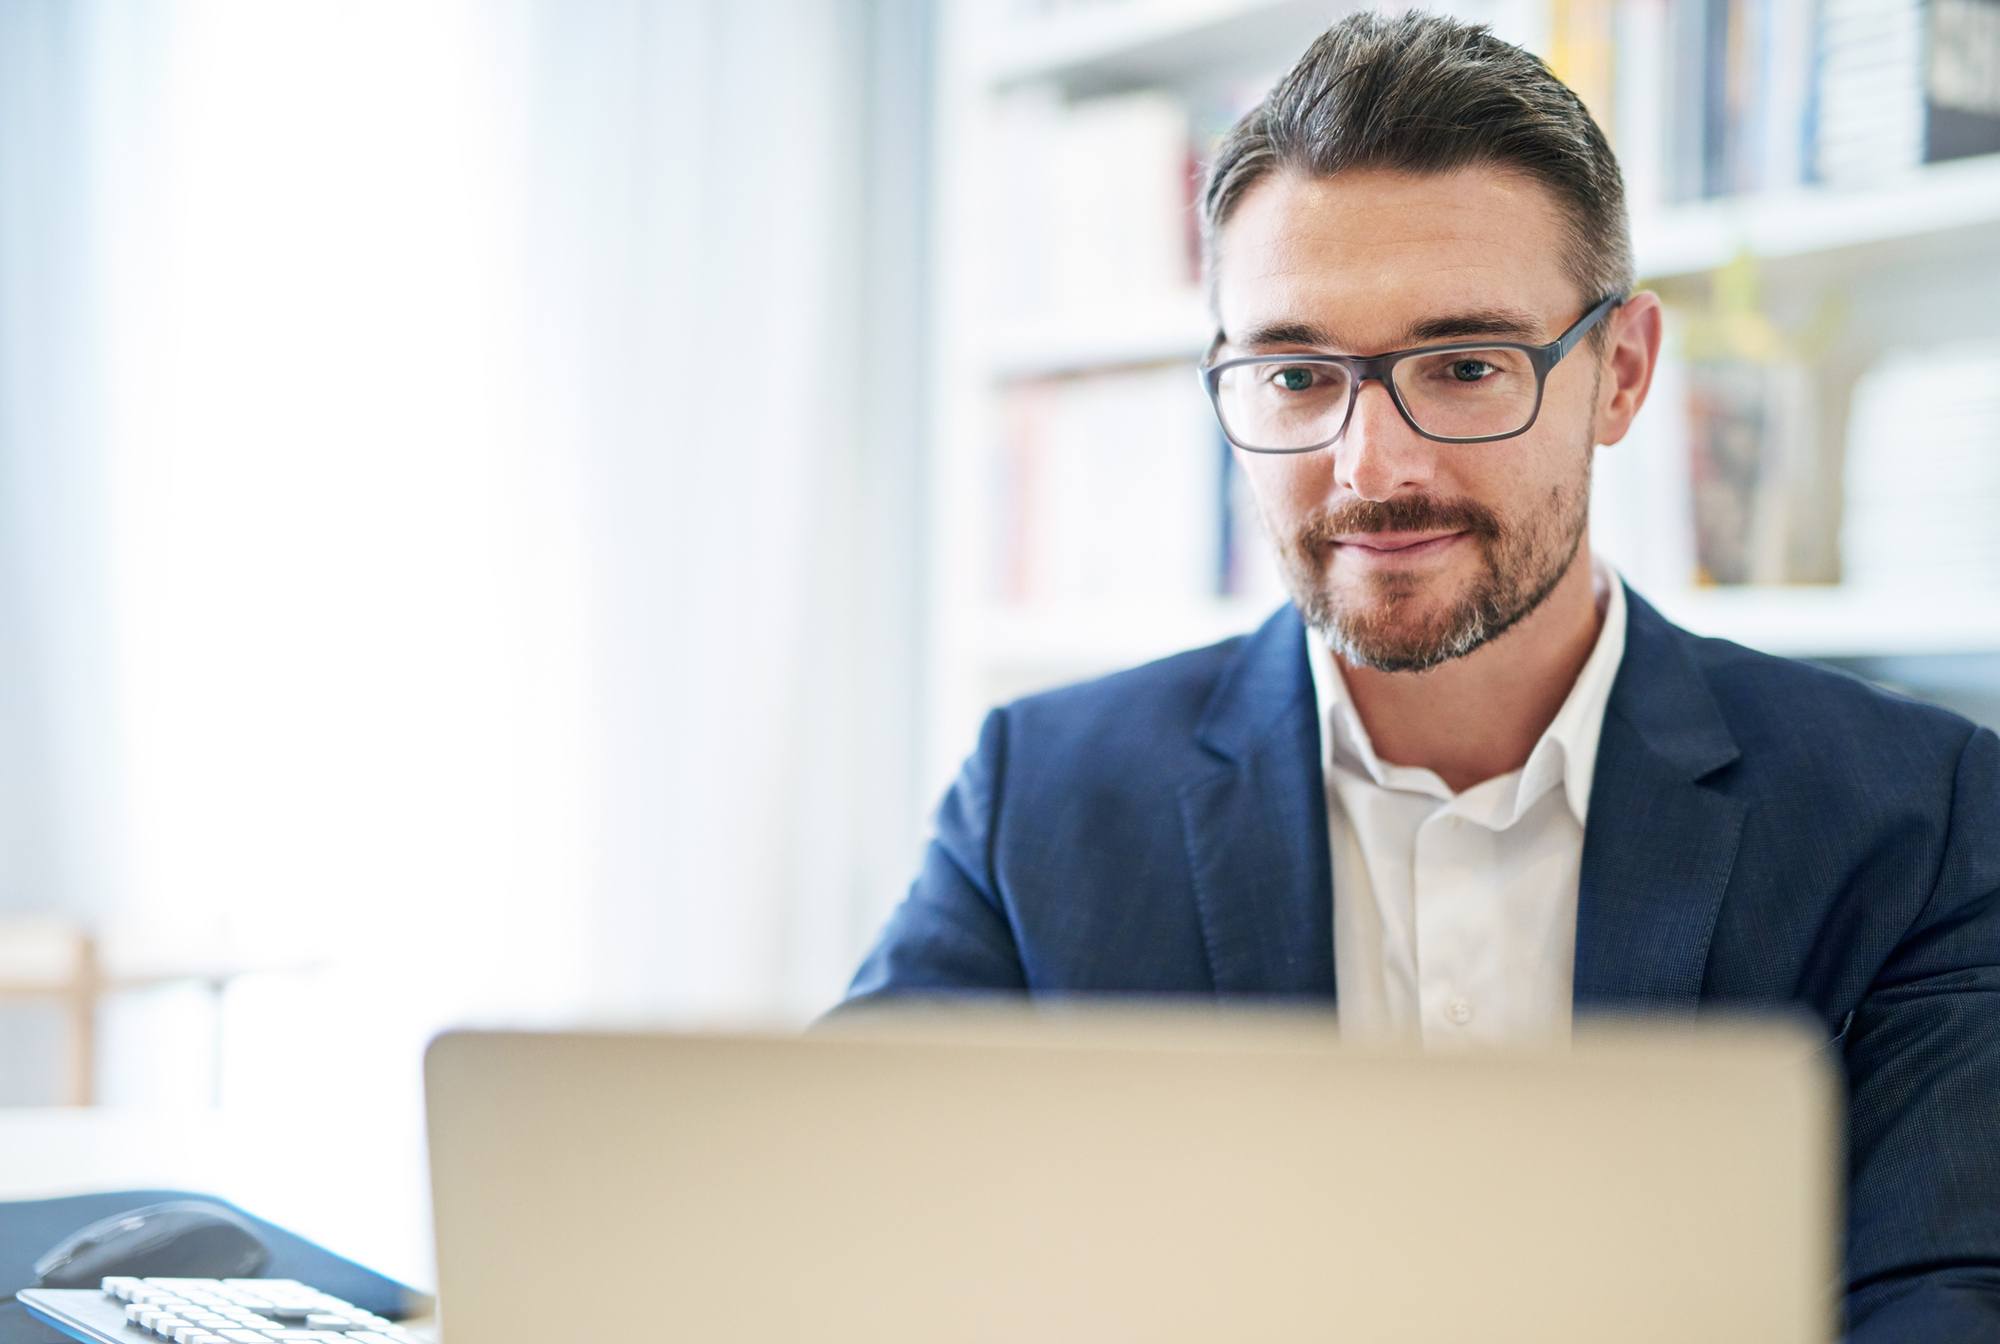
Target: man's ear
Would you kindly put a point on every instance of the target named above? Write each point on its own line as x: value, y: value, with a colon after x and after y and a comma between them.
x: 1632, y: 352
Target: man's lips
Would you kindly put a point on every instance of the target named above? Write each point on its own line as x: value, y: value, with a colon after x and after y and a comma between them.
x: 1391, y: 542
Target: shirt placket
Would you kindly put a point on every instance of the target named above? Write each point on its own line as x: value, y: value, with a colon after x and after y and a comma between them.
x: 1442, y: 898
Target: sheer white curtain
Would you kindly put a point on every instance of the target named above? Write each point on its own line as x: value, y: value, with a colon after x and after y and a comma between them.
x: 740, y: 338
x: 460, y: 500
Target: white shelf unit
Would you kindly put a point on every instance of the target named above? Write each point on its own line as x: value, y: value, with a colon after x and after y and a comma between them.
x: 1899, y: 252
x: 1023, y: 650
x: 1110, y: 47
x: 1942, y: 211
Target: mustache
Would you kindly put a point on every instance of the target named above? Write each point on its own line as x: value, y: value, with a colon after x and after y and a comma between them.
x: 1415, y: 513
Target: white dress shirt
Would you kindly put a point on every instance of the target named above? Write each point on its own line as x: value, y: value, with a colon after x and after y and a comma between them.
x: 1454, y: 915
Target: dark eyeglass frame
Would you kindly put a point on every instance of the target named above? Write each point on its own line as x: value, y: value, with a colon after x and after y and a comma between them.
x: 1360, y: 368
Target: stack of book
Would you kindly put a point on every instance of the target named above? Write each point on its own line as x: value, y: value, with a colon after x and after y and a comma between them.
x: 1092, y: 203
x: 1119, y: 487
x: 1871, y: 88
x: 1108, y: 489
x: 1766, y: 95
x: 1904, y: 82
x: 1923, y: 473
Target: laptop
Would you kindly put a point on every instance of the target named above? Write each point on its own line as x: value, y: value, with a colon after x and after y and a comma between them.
x: 1146, y: 1175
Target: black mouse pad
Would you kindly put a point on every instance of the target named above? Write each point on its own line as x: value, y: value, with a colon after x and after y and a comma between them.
x: 29, y: 1227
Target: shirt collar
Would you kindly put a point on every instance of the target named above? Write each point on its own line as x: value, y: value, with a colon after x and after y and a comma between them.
x: 1566, y: 751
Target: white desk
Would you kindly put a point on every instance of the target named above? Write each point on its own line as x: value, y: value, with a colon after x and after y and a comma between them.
x: 352, y: 1182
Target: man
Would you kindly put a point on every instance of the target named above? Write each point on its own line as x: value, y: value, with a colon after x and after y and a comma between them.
x: 1468, y: 777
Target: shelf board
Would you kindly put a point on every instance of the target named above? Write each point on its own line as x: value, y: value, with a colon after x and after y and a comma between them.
x: 1148, y: 331
x: 1091, y: 637
x: 1082, y: 639
x: 1835, y: 622
x: 1938, y: 209
x: 1109, y: 48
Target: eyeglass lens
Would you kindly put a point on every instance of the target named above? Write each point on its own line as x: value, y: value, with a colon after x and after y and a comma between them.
x: 1456, y: 394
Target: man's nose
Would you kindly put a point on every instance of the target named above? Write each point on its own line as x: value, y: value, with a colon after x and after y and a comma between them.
x: 1380, y: 455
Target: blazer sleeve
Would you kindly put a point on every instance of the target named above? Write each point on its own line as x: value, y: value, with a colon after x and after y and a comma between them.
x: 1923, y: 1067
x: 951, y: 933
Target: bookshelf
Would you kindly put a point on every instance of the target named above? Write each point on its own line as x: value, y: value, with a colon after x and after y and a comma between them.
x: 1881, y: 261
x: 1940, y: 214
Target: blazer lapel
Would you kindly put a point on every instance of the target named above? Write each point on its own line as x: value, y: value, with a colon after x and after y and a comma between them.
x: 1658, y: 847
x: 1658, y: 844
x: 1256, y: 827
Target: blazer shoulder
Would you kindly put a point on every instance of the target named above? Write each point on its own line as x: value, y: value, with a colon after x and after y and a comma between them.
x: 1175, y: 688
x: 1768, y: 698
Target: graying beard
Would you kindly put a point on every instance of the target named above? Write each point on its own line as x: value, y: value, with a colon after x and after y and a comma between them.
x: 1487, y: 621
x: 1467, y: 638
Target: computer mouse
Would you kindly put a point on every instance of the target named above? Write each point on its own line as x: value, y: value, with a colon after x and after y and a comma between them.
x: 182, y: 1238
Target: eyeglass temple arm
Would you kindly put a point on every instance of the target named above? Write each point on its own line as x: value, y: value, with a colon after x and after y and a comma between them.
x: 1574, y: 337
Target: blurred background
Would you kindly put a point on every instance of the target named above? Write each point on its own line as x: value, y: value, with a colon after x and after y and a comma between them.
x: 512, y: 511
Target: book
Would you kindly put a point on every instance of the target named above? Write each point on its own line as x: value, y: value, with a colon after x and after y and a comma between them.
x: 1108, y: 490
x: 1753, y: 452
x: 1921, y: 522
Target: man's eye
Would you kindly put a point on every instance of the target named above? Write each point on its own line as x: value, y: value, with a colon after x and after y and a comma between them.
x: 1293, y: 378
x: 1470, y: 370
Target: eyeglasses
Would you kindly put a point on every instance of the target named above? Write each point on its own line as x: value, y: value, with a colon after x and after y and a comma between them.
x: 1470, y: 393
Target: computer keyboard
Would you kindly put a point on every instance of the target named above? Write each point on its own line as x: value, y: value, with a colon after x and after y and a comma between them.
x: 210, y: 1311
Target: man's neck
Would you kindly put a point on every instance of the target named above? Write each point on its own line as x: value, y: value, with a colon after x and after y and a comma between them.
x: 1479, y: 716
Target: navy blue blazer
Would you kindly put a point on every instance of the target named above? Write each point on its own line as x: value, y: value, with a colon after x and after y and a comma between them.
x: 1760, y: 831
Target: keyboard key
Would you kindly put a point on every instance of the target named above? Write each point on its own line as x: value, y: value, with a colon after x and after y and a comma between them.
x: 245, y: 1311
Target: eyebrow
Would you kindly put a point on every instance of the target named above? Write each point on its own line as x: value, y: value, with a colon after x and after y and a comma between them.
x: 1501, y: 323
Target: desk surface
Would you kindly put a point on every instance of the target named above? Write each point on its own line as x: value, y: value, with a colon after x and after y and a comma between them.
x: 352, y: 1181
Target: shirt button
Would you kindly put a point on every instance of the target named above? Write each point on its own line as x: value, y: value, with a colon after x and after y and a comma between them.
x: 1459, y: 1011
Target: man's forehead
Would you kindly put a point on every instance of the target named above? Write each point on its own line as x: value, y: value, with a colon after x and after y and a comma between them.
x: 1423, y: 326
x: 1367, y: 260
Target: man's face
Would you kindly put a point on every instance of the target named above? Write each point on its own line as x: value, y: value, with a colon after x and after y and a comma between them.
x: 1365, y: 257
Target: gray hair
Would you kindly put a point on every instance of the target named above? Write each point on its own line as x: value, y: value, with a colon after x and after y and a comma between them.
x: 1425, y: 93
